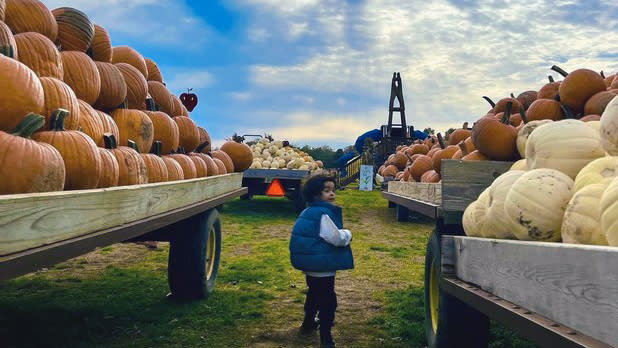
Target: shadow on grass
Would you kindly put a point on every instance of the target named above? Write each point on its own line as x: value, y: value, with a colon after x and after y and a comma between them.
x: 259, y: 208
x: 121, y: 307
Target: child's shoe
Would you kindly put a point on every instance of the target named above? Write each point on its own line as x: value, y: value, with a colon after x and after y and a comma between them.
x: 309, y: 325
x: 326, y: 339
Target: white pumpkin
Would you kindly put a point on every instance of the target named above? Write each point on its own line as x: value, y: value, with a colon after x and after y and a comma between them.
x: 273, y: 149
x: 264, y: 141
x: 303, y: 167
x: 609, y: 127
x: 266, y: 164
x: 566, y: 145
x: 600, y: 170
x: 596, y: 125
x: 278, y: 144
x: 524, y: 133
x: 498, y: 223
x: 609, y: 212
x: 473, y: 218
x: 582, y: 221
x: 536, y: 202
x: 519, y: 165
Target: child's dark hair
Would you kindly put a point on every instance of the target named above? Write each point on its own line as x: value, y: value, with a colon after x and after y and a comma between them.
x: 314, y: 185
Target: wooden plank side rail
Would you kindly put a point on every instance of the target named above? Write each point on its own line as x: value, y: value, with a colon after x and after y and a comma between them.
x: 574, y: 285
x: 352, y: 169
x: 427, y: 192
x: 32, y: 220
x: 463, y: 181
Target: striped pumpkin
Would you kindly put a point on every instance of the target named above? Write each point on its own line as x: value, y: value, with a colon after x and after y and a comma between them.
x: 188, y: 166
x: 113, y: 87
x: 101, y: 46
x: 75, y: 30
x: 174, y: 170
x: 30, y: 16
x: 154, y: 74
x: 137, y: 87
x: 126, y: 54
x: 22, y: 93
x: 2, y: 7
x: 131, y: 166
x: 90, y: 122
x: 39, y: 54
x: 165, y: 131
x: 58, y: 95
x: 189, y: 134
x: 205, y: 145
x: 134, y: 125
x: 176, y: 106
x: 161, y: 96
x: 110, y: 170
x: 109, y: 126
x: 155, y: 165
x: 82, y: 75
x: 8, y: 47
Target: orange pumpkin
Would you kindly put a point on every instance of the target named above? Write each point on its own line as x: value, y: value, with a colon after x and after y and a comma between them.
x: 90, y: 122
x: 200, y: 166
x: 578, y: 86
x: 82, y: 160
x: 419, y: 149
x: 430, y: 176
x: 220, y: 166
x: 542, y: 109
x: 205, y: 145
x: 549, y: 90
x: 614, y: 84
x: 526, y: 98
x: 475, y: 156
x: 137, y: 87
x: 501, y: 105
x: 82, y: 75
x: 176, y: 106
x: 109, y: 126
x: 110, y: 171
x: 131, y: 167
x: 134, y: 125
x: 39, y: 54
x: 420, y: 165
x: 8, y: 46
x: 2, y: 7
x: 597, y: 103
x: 30, y: 16
x: 154, y: 74
x: 495, y: 138
x: 225, y: 158
x: 29, y: 166
x: 165, y: 131
x: 188, y: 166
x: 156, y: 168
x: 22, y: 93
x: 399, y: 160
x: 126, y: 54
x: 75, y: 30
x: 161, y: 96
x: 433, y: 151
x: 113, y: 87
x: 212, y: 168
x: 60, y: 96
x: 446, y: 152
x: 174, y: 170
x: 459, y: 135
x: 189, y: 135
x: 240, y: 153
x: 101, y: 46
x: 589, y: 118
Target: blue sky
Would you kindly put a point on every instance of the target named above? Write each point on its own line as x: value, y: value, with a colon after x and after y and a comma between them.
x: 318, y: 71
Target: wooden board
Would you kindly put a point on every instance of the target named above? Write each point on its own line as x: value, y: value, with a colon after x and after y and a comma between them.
x: 426, y: 192
x: 269, y: 174
x: 31, y: 220
x: 574, y: 285
x: 463, y: 181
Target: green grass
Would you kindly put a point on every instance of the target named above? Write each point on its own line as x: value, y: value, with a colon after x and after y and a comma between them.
x: 115, y: 297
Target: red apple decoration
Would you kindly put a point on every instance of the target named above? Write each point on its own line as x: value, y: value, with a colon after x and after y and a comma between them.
x: 189, y: 100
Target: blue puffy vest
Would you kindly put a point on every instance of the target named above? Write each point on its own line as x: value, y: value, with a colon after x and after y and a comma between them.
x: 308, y: 251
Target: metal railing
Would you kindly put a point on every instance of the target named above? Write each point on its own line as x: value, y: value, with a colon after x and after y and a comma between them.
x: 351, y: 171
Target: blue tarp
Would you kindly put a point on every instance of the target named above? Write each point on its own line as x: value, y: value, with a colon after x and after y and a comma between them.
x: 419, y: 135
x: 375, y: 135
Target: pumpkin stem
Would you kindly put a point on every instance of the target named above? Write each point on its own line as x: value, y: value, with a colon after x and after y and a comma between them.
x: 150, y: 105
x: 567, y: 112
x: 524, y: 117
x: 551, y: 78
x: 157, y: 107
x: 602, y: 74
x: 124, y: 104
x: 441, y: 141
x: 202, y: 146
x: 507, y: 112
x: 465, y: 126
x: 56, y: 122
x: 513, y: 96
x: 464, y: 149
x: 557, y: 98
x: 132, y: 145
x: 108, y: 139
x: 491, y: 102
x: 156, y: 148
x: 30, y: 124
x: 7, y: 51
x: 90, y: 53
x: 559, y: 70
x: 181, y: 150
x: 114, y: 142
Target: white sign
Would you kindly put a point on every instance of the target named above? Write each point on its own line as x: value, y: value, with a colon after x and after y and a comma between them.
x: 366, y: 178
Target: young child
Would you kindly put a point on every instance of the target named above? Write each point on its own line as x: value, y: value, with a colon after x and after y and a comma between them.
x: 319, y: 247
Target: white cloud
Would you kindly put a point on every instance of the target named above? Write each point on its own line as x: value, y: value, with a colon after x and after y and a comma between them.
x: 181, y: 79
x: 241, y: 96
x: 156, y: 22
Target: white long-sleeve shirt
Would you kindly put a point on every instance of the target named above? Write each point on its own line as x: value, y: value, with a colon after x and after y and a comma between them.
x: 332, y: 235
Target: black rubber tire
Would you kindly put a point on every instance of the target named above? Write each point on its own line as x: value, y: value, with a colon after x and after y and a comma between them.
x: 458, y: 325
x: 187, y: 275
x: 299, y: 203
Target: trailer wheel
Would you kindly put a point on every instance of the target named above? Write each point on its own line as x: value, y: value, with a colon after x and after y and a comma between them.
x: 448, y: 321
x: 194, y: 255
x: 299, y: 203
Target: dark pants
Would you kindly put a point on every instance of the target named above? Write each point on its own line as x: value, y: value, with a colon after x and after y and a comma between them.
x: 321, y: 298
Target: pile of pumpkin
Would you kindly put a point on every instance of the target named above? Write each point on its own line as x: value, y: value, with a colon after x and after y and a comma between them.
x: 500, y: 134
x: 566, y: 186
x: 77, y: 113
x: 279, y: 154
